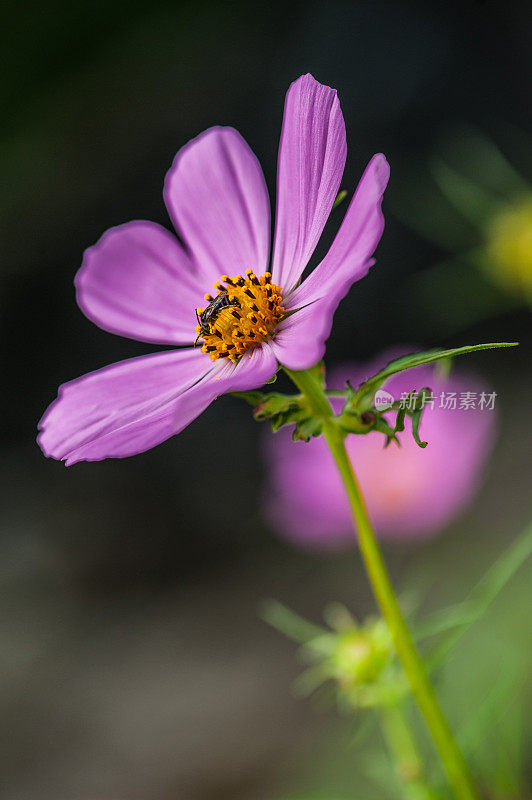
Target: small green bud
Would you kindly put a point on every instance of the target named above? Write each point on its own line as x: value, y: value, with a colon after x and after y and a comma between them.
x: 359, y: 659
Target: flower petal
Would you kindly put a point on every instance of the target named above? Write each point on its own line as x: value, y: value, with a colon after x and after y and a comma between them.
x: 251, y: 372
x: 129, y: 407
x: 356, y: 240
x: 312, y: 157
x: 137, y: 281
x: 299, y: 341
x: 216, y: 196
x: 122, y: 409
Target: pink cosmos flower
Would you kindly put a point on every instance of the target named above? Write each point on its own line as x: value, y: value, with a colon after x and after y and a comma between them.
x: 142, y: 282
x: 411, y: 493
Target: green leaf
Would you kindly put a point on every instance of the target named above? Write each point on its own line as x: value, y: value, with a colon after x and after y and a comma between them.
x: 423, y: 396
x: 416, y: 419
x: 400, y: 420
x: 468, y: 148
x: 458, y: 619
x: 322, y: 796
x: 474, y: 202
x: 309, y: 680
x: 496, y: 723
x: 367, y: 389
x: 288, y: 622
x: 443, y: 369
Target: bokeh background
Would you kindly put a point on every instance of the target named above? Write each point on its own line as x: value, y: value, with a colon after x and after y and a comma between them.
x: 134, y: 663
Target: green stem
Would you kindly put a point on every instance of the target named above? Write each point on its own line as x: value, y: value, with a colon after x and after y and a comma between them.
x: 408, y: 766
x: 457, y: 770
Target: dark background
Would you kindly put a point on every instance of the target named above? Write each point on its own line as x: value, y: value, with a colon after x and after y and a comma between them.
x: 134, y: 661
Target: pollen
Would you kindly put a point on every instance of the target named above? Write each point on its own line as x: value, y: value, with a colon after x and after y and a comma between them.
x: 243, y: 314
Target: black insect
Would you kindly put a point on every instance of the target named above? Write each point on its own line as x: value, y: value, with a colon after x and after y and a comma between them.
x: 208, y: 316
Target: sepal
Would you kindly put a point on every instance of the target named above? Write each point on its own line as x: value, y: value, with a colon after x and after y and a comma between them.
x: 283, y: 409
x: 307, y: 428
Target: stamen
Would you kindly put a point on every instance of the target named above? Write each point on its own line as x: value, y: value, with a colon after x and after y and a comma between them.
x: 244, y: 313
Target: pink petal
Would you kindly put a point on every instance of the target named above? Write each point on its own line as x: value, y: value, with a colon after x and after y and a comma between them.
x: 251, y: 372
x: 216, y: 196
x: 356, y: 240
x: 122, y: 409
x: 299, y: 341
x: 312, y: 157
x: 129, y: 407
x: 137, y: 281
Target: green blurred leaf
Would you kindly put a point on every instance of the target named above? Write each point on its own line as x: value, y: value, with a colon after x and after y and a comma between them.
x: 472, y: 152
x: 324, y: 796
x: 310, y: 680
x: 474, y: 202
x: 491, y: 736
x: 458, y: 619
x: 288, y: 622
x: 443, y: 369
x: 454, y: 294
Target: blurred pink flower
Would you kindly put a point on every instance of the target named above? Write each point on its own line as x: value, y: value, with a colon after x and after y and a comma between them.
x: 140, y: 281
x: 411, y: 493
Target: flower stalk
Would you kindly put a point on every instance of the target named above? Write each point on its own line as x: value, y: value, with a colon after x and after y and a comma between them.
x: 403, y: 749
x: 455, y: 765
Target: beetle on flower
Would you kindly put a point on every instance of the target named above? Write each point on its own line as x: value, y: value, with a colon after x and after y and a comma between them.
x: 139, y: 281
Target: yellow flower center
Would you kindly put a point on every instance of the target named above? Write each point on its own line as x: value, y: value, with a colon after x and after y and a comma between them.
x: 244, y: 313
x: 510, y: 247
